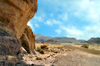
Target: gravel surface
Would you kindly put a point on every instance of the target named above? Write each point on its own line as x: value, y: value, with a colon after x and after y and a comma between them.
x: 78, y: 58
x: 65, y: 58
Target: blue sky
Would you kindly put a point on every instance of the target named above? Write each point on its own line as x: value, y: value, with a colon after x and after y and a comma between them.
x: 67, y: 18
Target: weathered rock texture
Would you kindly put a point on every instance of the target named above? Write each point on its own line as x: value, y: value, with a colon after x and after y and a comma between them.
x: 94, y: 40
x: 14, y: 15
x: 23, y: 51
x: 11, y: 61
x: 28, y: 40
x: 9, y: 45
x: 25, y: 42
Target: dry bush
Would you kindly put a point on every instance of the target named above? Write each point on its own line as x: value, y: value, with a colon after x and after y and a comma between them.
x: 85, y: 45
x: 44, y: 47
x: 40, y: 50
x: 38, y: 58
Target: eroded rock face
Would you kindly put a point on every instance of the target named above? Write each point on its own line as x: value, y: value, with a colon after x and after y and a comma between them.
x: 14, y: 15
x: 30, y: 35
x: 25, y: 42
x: 28, y: 40
x: 9, y: 45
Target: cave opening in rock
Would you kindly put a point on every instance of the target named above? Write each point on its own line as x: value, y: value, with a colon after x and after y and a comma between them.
x: 25, y: 47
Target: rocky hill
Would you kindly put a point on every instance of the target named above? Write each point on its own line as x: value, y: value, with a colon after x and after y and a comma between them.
x: 65, y: 39
x: 40, y: 38
x: 47, y: 39
x: 94, y: 40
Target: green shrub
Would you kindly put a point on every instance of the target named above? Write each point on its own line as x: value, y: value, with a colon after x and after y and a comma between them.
x: 40, y: 50
x: 85, y: 45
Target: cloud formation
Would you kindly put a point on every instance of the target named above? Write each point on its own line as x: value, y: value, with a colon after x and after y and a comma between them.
x: 51, y: 22
x: 70, y: 18
x: 58, y: 31
x: 36, y: 25
x: 31, y: 25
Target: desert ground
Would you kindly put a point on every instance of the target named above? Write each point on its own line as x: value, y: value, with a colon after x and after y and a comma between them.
x: 91, y: 46
x: 61, y: 55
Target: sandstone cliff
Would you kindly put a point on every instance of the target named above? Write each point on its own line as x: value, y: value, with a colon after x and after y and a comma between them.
x: 14, y: 15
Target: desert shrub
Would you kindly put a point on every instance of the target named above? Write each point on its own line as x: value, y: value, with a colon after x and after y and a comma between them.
x: 85, y: 45
x: 44, y: 47
x: 61, y: 48
x: 38, y: 58
x: 40, y: 50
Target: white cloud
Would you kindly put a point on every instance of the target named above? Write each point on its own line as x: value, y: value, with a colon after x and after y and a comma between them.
x: 52, y: 22
x: 72, y: 31
x: 87, y: 10
x: 36, y: 25
x: 63, y: 16
x: 86, y: 33
x: 38, y: 18
x: 93, y: 30
x: 58, y: 31
x: 30, y: 24
x: 49, y: 23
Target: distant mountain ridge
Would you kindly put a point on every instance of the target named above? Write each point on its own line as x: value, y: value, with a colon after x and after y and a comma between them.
x: 94, y: 40
x: 65, y: 39
x: 40, y: 38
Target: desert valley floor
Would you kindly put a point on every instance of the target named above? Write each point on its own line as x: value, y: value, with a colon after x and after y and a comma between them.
x: 59, y: 55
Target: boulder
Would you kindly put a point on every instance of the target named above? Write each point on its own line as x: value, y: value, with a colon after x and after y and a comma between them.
x: 28, y: 40
x: 9, y: 45
x: 14, y: 15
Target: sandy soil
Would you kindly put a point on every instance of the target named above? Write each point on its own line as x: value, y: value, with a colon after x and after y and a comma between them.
x: 64, y: 57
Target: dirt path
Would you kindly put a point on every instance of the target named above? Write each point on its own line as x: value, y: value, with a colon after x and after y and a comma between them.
x: 96, y: 52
